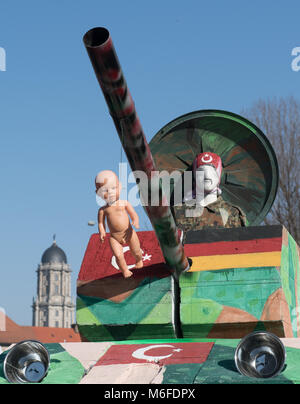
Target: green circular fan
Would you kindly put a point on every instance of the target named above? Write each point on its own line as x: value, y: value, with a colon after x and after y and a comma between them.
x: 250, y: 170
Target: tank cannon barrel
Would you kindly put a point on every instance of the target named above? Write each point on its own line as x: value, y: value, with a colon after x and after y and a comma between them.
x: 100, y: 48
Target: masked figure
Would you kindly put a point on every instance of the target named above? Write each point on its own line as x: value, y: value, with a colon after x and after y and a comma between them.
x: 203, y: 206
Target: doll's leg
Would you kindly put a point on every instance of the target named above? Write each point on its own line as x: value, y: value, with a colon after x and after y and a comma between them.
x: 117, y: 250
x: 135, y: 249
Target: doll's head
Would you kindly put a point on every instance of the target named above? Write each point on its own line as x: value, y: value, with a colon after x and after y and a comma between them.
x: 108, y: 186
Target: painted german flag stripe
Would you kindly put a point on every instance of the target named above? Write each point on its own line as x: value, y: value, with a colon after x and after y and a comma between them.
x: 233, y: 247
x: 215, y: 262
x: 233, y: 234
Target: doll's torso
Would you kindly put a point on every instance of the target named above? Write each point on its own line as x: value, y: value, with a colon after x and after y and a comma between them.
x: 117, y: 217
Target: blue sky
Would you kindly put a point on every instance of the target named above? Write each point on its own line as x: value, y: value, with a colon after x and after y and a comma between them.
x: 56, y: 132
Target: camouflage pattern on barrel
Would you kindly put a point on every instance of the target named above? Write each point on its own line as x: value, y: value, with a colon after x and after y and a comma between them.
x: 108, y: 71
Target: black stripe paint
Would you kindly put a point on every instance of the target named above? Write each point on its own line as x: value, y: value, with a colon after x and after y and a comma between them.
x: 233, y: 234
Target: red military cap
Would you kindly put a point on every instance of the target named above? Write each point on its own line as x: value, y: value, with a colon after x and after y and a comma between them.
x: 208, y: 158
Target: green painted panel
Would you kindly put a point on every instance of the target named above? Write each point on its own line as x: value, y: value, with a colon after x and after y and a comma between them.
x: 199, y: 311
x: 182, y: 373
x: 84, y: 315
x: 134, y: 308
x: 122, y: 333
x: 160, y: 312
x: 148, y: 311
x: 290, y: 271
x: 246, y: 289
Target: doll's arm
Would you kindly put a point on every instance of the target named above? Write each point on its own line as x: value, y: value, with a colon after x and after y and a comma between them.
x: 133, y: 215
x: 101, y: 224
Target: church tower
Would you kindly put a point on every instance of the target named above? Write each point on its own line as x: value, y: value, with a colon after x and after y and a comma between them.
x: 53, y: 306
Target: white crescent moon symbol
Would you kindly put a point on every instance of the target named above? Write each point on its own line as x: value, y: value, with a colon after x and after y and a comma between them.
x: 140, y: 353
x: 114, y: 261
x: 206, y: 160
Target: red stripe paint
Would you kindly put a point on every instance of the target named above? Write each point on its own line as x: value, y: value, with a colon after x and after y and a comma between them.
x: 233, y: 247
x: 98, y: 260
x: 168, y: 353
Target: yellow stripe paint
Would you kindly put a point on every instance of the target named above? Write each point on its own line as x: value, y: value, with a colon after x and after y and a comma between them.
x: 215, y: 262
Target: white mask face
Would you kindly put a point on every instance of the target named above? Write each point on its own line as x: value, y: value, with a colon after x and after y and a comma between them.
x: 210, y: 178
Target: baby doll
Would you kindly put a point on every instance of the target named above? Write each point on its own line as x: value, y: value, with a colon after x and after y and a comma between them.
x: 116, y: 213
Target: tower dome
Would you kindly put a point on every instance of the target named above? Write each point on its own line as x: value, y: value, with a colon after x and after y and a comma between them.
x: 53, y: 306
x: 54, y: 254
